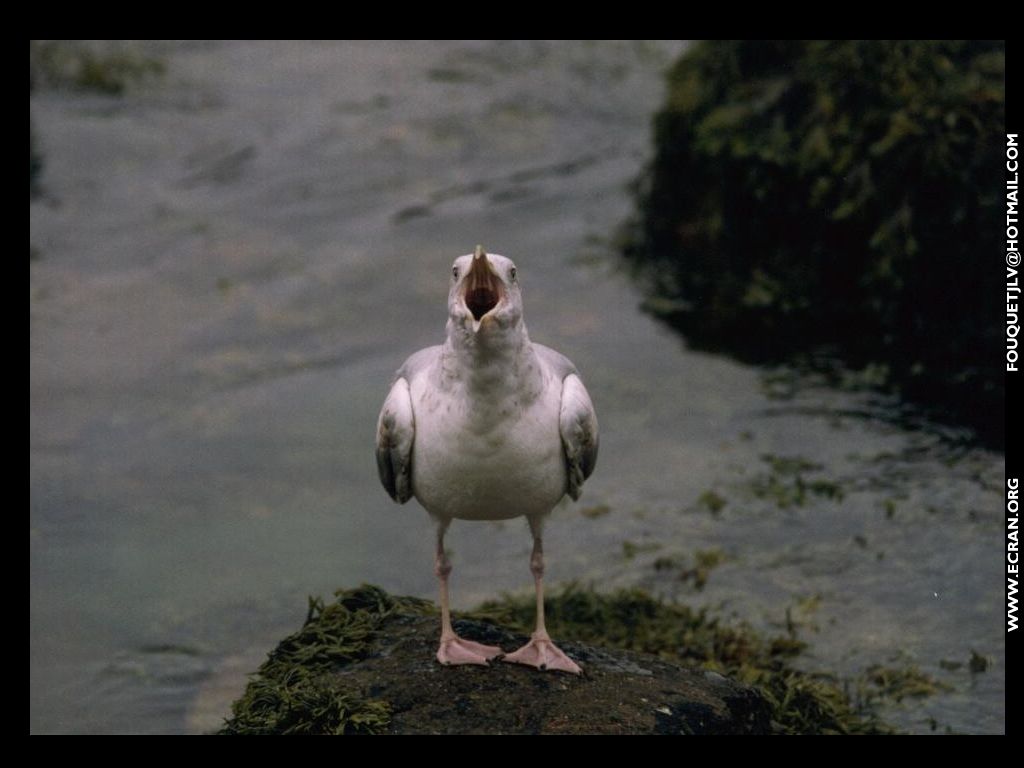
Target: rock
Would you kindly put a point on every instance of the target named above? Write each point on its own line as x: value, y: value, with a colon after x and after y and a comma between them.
x: 830, y: 155
x: 620, y: 692
x: 367, y: 664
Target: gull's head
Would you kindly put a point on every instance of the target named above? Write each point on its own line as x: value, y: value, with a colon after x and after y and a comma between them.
x: 484, y: 297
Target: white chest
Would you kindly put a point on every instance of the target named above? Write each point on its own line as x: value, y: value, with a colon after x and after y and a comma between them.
x: 493, y: 458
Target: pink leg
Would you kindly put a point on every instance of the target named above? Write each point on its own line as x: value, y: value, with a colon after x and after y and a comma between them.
x: 453, y: 649
x: 540, y: 652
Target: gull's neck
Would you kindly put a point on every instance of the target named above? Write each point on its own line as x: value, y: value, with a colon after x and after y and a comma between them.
x: 492, y: 363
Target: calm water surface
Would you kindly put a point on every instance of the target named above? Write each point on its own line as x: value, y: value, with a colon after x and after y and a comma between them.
x: 231, y: 261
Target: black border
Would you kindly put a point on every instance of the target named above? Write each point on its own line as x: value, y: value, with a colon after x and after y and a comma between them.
x: 1011, y: 410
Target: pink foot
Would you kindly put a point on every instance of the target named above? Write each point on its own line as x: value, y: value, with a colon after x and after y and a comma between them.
x: 540, y: 652
x: 455, y: 650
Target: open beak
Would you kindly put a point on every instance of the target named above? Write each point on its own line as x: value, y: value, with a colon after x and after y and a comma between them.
x: 482, y: 288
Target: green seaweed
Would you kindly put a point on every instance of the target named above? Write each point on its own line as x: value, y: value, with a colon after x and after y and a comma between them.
x: 801, y: 202
x: 712, y: 502
x: 288, y: 694
x: 705, y: 560
x: 84, y: 67
x: 789, y: 465
x: 801, y: 702
x: 631, y: 549
x: 899, y: 683
x: 595, y: 511
x: 786, y: 493
x: 978, y: 663
x: 810, y: 604
x: 786, y: 486
x: 295, y: 691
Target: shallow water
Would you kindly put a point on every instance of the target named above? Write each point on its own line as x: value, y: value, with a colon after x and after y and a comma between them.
x: 230, y: 262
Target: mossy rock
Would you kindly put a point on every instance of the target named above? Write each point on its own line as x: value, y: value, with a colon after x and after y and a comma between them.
x: 832, y: 198
x: 365, y: 664
x: 106, y: 67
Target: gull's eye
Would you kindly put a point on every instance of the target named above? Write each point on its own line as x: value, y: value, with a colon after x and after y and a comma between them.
x: 512, y: 273
x: 455, y: 272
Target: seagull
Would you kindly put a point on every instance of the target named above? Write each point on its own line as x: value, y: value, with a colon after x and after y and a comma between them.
x: 488, y: 426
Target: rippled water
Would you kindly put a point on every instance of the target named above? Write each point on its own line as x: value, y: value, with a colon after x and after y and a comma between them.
x: 231, y: 260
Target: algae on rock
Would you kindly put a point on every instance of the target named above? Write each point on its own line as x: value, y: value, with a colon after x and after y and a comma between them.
x: 835, y: 196
x: 289, y: 695
x: 364, y: 664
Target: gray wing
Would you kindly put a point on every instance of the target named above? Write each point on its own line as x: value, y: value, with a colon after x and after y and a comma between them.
x: 577, y: 420
x: 396, y: 430
x: 396, y: 427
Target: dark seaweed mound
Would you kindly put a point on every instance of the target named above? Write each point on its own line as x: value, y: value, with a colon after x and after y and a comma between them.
x: 364, y: 664
x: 840, y: 200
